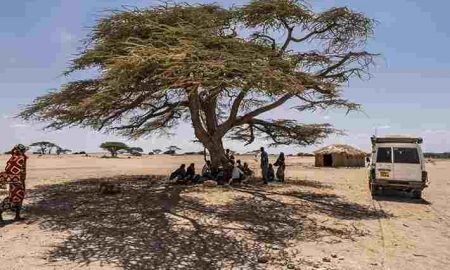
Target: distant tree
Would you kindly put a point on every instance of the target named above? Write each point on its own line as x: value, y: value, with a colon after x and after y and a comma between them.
x: 44, y: 147
x: 157, y: 151
x: 437, y: 155
x: 60, y: 151
x: 173, y: 148
x: 135, y: 151
x: 301, y: 154
x: 221, y: 69
x: 114, y: 147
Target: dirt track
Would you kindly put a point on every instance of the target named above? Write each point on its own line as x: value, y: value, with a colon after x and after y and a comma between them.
x: 322, y: 219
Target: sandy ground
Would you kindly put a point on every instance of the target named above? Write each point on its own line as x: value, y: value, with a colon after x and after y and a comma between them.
x: 320, y: 219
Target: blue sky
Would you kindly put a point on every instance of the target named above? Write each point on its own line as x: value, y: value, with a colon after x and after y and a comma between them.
x: 409, y: 93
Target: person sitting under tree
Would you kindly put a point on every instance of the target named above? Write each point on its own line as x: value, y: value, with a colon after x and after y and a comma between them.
x: 191, y: 175
x: 281, y: 167
x: 14, y: 175
x: 237, y: 175
x: 229, y: 155
x: 179, y: 173
x: 246, y: 169
x: 206, y: 171
x: 270, y: 173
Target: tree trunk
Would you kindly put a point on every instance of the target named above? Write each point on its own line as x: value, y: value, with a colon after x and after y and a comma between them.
x: 216, y: 153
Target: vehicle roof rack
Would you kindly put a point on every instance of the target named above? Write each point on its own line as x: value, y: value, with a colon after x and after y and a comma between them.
x: 396, y: 139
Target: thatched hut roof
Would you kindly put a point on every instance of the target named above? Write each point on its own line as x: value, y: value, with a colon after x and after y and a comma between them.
x: 340, y: 149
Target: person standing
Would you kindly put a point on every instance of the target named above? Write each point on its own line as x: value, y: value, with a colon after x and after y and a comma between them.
x: 281, y: 167
x: 264, y: 165
x: 14, y: 175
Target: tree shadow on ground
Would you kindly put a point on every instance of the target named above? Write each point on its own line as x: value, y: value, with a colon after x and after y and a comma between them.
x: 308, y: 183
x: 150, y: 225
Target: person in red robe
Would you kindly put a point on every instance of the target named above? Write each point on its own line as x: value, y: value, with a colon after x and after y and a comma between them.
x: 14, y: 176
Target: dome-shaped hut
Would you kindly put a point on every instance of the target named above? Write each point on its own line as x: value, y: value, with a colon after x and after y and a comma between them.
x: 340, y: 155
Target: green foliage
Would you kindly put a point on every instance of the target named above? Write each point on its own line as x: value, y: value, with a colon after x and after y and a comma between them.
x: 114, y: 147
x: 44, y: 147
x: 173, y: 148
x: 219, y: 68
x: 60, y: 150
x: 135, y: 151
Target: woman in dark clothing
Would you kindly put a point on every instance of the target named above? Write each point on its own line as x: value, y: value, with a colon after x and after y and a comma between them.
x: 246, y: 169
x: 206, y: 171
x: 190, y: 174
x: 270, y: 174
x: 178, y: 174
x: 281, y: 167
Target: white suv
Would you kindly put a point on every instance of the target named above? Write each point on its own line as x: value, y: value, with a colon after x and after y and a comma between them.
x: 397, y: 163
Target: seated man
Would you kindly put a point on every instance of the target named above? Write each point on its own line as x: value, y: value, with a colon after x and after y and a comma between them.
x: 179, y: 173
x: 206, y: 171
x: 247, y: 171
x: 191, y: 176
x: 237, y: 175
x: 222, y: 176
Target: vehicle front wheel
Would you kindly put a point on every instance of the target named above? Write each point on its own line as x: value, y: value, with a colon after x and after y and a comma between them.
x: 417, y: 194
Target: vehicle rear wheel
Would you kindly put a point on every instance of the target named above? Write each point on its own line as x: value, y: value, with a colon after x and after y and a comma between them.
x: 373, y: 190
x: 417, y: 194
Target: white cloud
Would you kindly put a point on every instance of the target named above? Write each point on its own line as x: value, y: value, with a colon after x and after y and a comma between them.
x: 326, y: 117
x: 384, y: 127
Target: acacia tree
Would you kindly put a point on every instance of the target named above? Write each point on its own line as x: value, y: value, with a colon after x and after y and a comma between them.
x: 173, y: 148
x: 44, y: 147
x: 135, y: 151
x: 114, y: 147
x: 221, y: 69
x: 157, y: 151
x: 60, y: 150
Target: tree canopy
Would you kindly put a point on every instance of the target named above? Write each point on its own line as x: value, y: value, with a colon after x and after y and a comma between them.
x: 44, y: 147
x: 114, y: 147
x: 222, y: 69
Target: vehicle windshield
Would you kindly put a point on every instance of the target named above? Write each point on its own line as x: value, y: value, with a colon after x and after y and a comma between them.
x: 406, y: 155
x: 384, y: 155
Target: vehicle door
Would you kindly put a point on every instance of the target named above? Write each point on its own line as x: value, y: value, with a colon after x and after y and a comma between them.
x: 407, y: 165
x: 383, y: 166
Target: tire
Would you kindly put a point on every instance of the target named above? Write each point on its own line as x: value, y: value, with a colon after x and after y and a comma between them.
x: 417, y: 194
x: 373, y: 190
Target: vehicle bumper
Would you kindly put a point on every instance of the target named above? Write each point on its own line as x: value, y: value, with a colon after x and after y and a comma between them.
x: 397, y: 184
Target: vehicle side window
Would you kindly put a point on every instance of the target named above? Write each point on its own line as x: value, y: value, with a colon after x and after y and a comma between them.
x: 406, y: 155
x: 384, y: 155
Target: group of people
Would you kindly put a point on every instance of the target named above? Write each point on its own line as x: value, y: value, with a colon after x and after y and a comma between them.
x: 234, y: 171
x: 267, y: 170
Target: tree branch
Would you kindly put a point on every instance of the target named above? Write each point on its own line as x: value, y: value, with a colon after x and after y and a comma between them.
x: 266, y: 108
